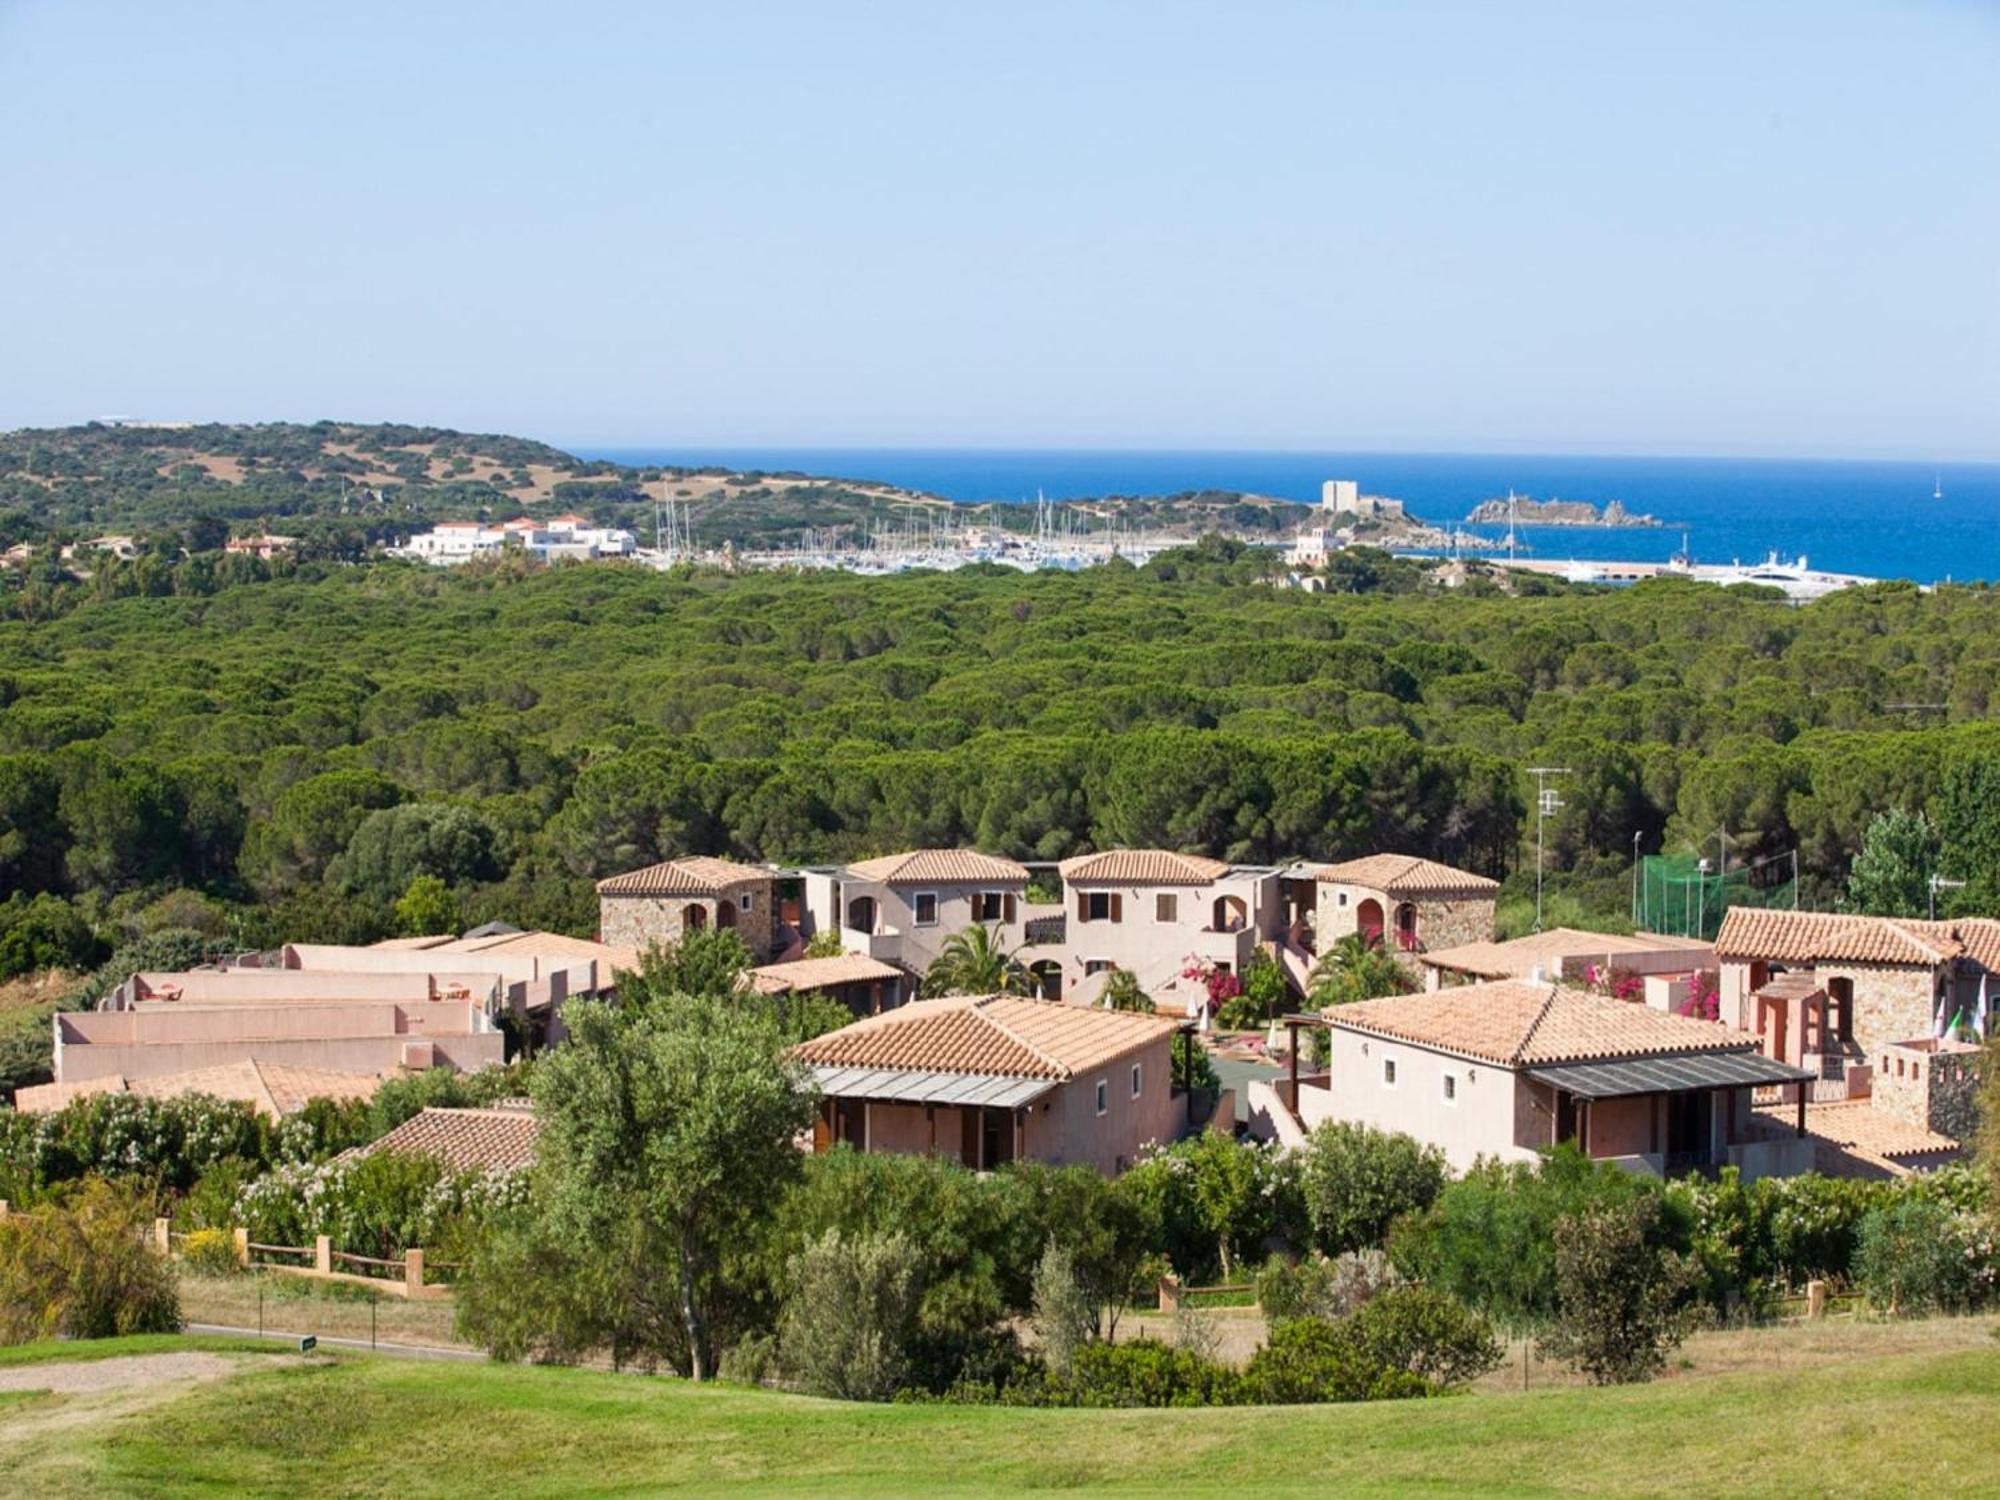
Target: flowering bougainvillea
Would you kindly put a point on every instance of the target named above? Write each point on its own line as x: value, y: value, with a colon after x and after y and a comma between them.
x: 1220, y: 984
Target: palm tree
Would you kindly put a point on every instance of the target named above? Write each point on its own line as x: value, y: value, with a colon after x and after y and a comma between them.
x: 1357, y: 968
x: 972, y: 962
x: 1122, y: 992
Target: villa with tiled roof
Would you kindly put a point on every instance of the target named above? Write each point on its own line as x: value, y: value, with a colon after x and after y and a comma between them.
x: 1409, y: 904
x: 1885, y: 1011
x: 1507, y: 1069
x: 1158, y: 912
x: 902, y: 909
x: 998, y: 1078
x: 661, y: 902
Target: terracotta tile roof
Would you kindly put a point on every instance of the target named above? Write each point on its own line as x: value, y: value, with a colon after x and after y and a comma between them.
x: 1143, y: 867
x: 697, y: 875
x: 1856, y: 1127
x: 1518, y: 957
x: 819, y: 973
x: 1519, y: 1024
x: 499, y: 1139
x: 1407, y: 875
x: 990, y: 1035
x: 939, y: 866
x: 1802, y: 937
x: 48, y: 1098
x: 273, y: 1089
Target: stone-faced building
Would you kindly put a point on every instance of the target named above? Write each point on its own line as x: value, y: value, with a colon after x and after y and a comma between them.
x: 1832, y: 991
x: 660, y: 903
x: 1410, y: 905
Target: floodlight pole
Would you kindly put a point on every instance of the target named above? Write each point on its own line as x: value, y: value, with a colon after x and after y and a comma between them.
x: 1546, y: 802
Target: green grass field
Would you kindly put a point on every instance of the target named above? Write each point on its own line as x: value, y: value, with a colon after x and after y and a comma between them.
x: 265, y: 1423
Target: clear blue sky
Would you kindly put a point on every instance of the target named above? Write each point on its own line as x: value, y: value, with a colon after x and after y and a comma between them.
x: 1685, y: 227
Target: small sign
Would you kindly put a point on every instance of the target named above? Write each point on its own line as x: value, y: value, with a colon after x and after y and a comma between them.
x: 309, y: 1343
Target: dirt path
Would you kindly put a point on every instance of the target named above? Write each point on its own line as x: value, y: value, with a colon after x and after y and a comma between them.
x: 124, y: 1373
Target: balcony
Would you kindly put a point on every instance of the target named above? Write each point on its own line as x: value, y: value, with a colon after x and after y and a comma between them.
x: 884, y: 943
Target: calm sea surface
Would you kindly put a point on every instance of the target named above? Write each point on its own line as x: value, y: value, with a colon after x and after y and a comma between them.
x: 1878, y: 519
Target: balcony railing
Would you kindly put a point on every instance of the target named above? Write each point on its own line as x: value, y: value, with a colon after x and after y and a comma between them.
x: 1044, y: 932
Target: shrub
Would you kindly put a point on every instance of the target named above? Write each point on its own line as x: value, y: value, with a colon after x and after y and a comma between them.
x: 1218, y: 1201
x: 1425, y: 1333
x: 1142, y: 1372
x: 1065, y: 1317
x: 172, y: 1140
x: 847, y: 1326
x: 212, y: 1252
x: 1310, y: 1359
x: 1317, y: 1287
x: 1619, y: 1292
x: 1356, y: 1181
x: 1916, y: 1256
x: 43, y: 932
x: 83, y: 1268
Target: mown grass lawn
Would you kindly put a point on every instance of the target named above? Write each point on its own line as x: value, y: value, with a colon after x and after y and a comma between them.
x: 356, y: 1425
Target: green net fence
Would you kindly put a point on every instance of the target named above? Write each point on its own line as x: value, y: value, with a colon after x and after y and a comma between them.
x: 1682, y: 895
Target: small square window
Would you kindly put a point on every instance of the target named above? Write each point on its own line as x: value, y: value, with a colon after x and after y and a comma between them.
x: 1135, y: 1080
x: 1341, y: 900
x: 1166, y: 907
x: 747, y: 901
x: 1097, y: 966
x: 1103, y: 1096
x: 925, y: 906
x: 1388, y: 1072
x: 988, y: 906
x: 1097, y: 906
x: 1450, y: 1088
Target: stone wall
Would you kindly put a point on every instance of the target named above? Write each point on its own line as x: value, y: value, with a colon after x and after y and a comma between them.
x: 1933, y: 1084
x: 1447, y: 924
x: 1891, y: 1003
x: 642, y: 921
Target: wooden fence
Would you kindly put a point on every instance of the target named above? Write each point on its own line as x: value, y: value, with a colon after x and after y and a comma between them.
x: 397, y: 1276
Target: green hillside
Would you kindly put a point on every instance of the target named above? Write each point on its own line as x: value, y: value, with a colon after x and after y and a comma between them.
x: 359, y: 1425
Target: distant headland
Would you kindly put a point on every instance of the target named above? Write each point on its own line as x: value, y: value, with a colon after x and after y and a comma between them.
x: 1556, y: 513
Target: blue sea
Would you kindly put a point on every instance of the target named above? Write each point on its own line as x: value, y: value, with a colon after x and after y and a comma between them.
x: 1875, y: 518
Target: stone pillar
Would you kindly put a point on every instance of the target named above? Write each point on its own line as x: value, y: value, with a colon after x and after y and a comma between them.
x: 1815, y: 1299
x: 413, y: 1271
x: 162, y: 1232
x: 323, y: 1254
x: 241, y: 1238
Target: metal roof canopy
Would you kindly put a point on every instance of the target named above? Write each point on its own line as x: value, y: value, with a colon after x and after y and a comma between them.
x: 1668, y: 1075
x: 919, y: 1086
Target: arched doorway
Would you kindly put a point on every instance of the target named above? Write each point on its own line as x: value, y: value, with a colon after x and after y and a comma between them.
x: 1368, y: 921
x: 1406, y: 927
x: 1047, y: 977
x: 694, y: 917
x: 725, y: 913
x: 861, y: 914
x: 1230, y: 915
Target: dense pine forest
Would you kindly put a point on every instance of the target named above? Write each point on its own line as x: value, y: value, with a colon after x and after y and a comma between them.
x: 281, y: 756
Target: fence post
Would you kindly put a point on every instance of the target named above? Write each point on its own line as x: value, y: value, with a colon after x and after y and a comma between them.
x: 3, y: 1208
x: 323, y: 1254
x: 1815, y: 1299
x: 162, y: 1230
x: 241, y: 1238
x: 1170, y: 1293
x: 413, y: 1271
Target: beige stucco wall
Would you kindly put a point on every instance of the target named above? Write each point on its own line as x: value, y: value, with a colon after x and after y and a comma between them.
x: 1486, y: 1118
x: 1155, y: 951
x: 379, y: 1054
x: 1065, y: 1128
x: 917, y: 947
x: 642, y: 921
